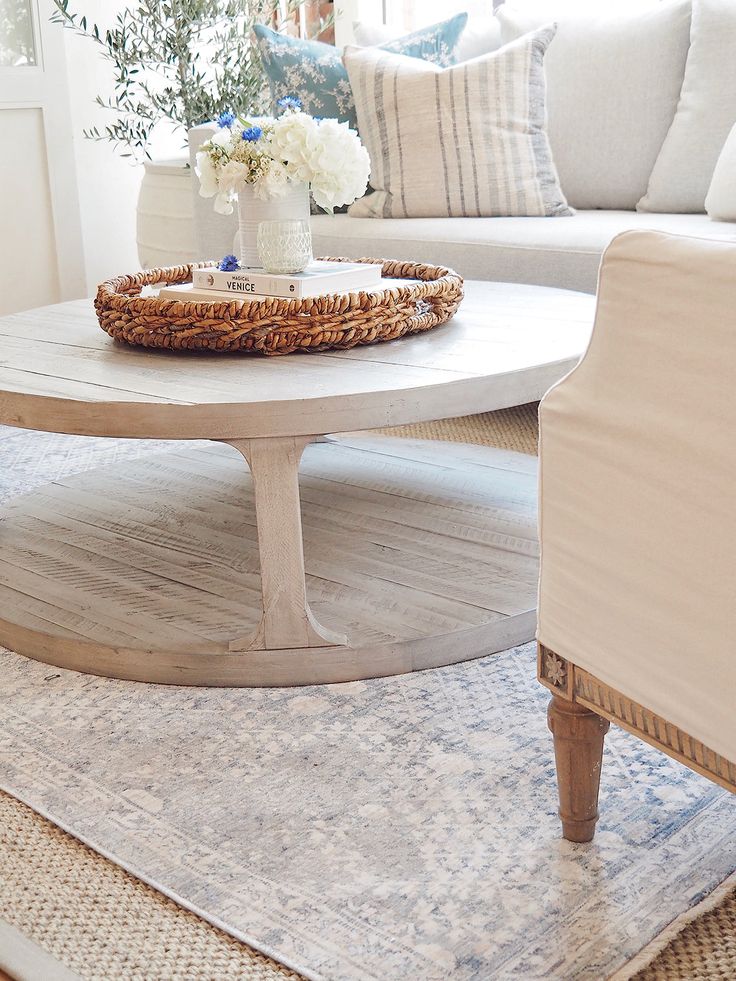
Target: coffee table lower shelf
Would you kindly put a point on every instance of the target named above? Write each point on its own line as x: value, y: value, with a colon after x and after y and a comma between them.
x: 420, y: 554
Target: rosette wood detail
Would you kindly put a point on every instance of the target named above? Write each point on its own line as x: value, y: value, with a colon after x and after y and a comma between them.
x: 274, y: 325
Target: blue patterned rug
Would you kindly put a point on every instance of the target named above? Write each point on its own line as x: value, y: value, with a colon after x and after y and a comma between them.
x: 402, y: 828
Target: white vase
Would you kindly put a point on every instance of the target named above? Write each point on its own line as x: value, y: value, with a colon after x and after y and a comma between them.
x: 294, y: 205
x: 165, y: 214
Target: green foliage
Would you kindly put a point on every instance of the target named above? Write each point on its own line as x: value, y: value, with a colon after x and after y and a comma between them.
x: 182, y: 60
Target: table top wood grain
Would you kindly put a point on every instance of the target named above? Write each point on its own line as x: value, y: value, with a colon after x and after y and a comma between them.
x: 507, y: 345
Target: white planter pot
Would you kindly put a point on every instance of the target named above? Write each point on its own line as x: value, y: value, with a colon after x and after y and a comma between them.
x: 252, y: 211
x: 165, y: 214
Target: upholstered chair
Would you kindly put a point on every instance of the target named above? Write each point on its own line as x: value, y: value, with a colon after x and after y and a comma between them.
x: 637, y: 601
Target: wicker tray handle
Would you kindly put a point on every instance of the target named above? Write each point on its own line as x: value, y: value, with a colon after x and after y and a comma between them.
x: 275, y: 325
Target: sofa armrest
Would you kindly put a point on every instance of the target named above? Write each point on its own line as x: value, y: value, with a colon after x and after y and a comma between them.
x: 638, y: 486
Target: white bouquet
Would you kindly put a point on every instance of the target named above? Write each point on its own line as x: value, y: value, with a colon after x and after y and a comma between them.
x: 269, y: 153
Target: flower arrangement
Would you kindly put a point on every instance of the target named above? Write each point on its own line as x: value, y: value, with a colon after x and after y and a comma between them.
x: 271, y: 153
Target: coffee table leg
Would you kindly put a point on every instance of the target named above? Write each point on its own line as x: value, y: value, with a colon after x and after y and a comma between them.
x: 287, y: 622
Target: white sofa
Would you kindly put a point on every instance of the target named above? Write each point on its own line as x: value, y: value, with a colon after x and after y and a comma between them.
x: 563, y: 252
x: 597, y: 69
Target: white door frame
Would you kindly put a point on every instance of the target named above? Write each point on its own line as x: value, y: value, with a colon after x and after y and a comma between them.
x: 44, y: 86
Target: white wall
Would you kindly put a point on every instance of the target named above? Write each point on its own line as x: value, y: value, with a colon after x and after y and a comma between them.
x: 347, y: 11
x: 26, y: 216
x: 108, y: 184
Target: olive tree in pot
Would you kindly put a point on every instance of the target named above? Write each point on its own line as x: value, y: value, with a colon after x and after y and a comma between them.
x: 176, y: 64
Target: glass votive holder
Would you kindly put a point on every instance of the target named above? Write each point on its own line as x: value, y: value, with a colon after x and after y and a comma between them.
x: 285, y: 246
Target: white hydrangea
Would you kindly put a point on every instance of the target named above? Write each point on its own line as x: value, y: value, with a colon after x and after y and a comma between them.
x: 341, y: 167
x: 325, y: 154
x: 295, y: 140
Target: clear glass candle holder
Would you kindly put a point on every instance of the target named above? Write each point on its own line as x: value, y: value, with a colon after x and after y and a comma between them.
x: 285, y: 246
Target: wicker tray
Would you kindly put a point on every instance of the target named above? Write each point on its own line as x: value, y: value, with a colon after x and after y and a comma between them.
x: 274, y: 325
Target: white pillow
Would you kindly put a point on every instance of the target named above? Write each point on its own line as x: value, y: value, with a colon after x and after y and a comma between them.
x: 613, y: 80
x: 463, y: 141
x: 705, y: 114
x: 481, y: 36
x: 720, y: 202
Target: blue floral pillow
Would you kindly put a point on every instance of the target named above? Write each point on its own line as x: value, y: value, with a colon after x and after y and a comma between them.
x: 314, y: 72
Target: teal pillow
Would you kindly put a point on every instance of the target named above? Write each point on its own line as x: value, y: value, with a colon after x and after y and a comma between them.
x: 314, y: 72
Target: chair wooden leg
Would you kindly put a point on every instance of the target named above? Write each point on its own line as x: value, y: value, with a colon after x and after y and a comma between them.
x: 578, y: 737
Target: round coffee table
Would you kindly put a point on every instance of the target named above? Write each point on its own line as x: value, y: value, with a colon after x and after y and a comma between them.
x: 337, y: 558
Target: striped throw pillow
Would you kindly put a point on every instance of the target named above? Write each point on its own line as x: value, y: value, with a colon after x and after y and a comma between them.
x: 469, y: 140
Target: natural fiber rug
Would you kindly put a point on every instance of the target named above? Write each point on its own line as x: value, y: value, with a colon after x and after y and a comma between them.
x: 700, y: 945
x: 508, y: 429
x: 308, y: 800
x: 99, y: 921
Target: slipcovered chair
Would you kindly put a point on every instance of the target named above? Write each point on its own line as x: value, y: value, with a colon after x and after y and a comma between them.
x: 637, y: 602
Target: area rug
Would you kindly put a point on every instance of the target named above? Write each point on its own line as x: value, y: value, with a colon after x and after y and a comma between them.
x: 401, y: 828
x: 101, y: 922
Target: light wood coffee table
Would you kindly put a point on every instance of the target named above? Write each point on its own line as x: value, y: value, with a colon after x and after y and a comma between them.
x: 337, y: 558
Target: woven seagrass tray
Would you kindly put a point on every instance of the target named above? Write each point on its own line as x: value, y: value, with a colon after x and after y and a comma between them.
x: 275, y: 325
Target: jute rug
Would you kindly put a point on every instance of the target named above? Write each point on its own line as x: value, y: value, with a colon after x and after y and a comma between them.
x: 508, y: 429
x: 700, y: 945
x: 99, y: 921
x: 120, y: 928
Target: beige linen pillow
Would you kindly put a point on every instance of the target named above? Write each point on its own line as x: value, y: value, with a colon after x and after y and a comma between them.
x: 613, y: 81
x: 705, y: 113
x: 463, y: 141
x: 720, y: 202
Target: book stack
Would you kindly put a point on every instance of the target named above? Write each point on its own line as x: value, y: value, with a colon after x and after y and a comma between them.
x: 321, y: 278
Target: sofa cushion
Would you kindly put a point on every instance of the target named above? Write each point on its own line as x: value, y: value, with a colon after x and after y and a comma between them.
x: 481, y: 35
x: 705, y: 113
x: 720, y: 202
x: 613, y: 80
x: 516, y: 250
x: 314, y: 71
x: 464, y: 140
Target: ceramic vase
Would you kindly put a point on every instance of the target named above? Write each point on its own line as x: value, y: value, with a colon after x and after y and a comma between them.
x: 292, y: 206
x: 165, y: 214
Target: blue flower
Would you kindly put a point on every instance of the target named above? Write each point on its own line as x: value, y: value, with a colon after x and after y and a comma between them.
x: 226, y: 119
x: 289, y: 102
x: 252, y: 134
x: 228, y: 264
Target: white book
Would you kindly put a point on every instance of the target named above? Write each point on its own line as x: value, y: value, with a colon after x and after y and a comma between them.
x: 319, y: 279
x: 187, y: 291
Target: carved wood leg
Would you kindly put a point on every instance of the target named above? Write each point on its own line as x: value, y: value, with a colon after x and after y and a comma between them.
x: 578, y: 737
x: 288, y: 622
